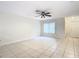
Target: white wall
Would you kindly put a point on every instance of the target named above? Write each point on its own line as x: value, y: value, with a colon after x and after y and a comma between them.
x: 60, y: 27
x: 15, y: 28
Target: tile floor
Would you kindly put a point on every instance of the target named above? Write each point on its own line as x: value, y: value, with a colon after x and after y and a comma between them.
x: 40, y: 48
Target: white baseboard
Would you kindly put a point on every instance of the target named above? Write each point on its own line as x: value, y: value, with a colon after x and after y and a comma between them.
x: 15, y: 41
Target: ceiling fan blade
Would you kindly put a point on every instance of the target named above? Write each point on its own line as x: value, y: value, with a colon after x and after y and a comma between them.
x: 38, y: 11
x: 49, y: 15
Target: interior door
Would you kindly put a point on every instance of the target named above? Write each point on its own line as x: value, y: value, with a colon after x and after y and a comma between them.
x: 74, y: 27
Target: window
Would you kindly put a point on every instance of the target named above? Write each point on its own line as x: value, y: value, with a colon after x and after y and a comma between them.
x: 49, y: 28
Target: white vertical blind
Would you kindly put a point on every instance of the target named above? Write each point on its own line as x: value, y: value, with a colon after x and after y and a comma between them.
x: 49, y: 27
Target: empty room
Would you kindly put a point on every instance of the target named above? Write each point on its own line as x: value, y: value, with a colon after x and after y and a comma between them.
x: 39, y: 29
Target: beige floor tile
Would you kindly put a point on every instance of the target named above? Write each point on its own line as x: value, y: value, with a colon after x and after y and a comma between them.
x: 23, y: 55
x: 62, y: 48
x: 76, y: 47
x: 5, y: 53
x: 33, y: 53
x: 33, y: 44
x: 44, y: 56
x: 69, y: 51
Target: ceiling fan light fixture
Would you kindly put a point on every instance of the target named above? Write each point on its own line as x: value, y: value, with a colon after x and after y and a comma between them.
x: 43, y: 13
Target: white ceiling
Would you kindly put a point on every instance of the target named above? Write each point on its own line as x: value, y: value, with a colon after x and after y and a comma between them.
x: 27, y: 8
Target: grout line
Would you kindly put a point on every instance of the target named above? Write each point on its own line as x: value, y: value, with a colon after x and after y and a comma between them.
x: 42, y: 53
x: 74, y: 47
x: 77, y: 48
x: 65, y: 47
x: 72, y: 44
x: 57, y: 48
x: 11, y: 51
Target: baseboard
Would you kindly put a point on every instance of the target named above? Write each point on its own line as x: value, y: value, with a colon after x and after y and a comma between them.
x: 15, y: 41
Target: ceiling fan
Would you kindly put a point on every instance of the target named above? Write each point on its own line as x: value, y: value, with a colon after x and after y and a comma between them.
x: 43, y: 13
